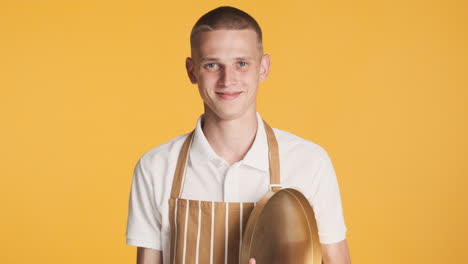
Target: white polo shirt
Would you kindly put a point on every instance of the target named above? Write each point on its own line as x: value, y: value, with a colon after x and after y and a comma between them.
x: 303, y: 165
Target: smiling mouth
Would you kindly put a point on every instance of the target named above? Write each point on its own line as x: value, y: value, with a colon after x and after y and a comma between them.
x: 228, y: 95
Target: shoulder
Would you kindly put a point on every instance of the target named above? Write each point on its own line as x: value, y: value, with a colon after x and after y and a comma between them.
x: 154, y: 172
x: 305, y: 165
x: 290, y: 143
x: 163, y: 154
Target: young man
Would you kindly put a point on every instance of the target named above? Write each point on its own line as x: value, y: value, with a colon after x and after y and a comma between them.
x: 191, y: 197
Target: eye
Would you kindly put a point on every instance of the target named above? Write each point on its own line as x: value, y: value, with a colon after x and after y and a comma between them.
x: 211, y: 66
x: 242, y: 63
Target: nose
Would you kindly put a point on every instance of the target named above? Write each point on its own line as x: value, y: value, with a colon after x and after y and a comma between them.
x: 228, y: 76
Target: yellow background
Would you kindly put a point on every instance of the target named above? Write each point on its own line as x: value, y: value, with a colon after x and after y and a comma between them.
x: 89, y: 86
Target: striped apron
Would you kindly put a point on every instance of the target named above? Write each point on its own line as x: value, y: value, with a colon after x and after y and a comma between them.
x: 208, y: 232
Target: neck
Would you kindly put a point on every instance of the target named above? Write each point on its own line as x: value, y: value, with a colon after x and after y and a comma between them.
x: 230, y: 139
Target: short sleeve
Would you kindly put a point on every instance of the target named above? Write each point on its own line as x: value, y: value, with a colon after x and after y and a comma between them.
x: 326, y: 201
x: 144, y: 218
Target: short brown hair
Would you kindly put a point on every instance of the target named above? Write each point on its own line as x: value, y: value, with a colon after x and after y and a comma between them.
x: 226, y: 17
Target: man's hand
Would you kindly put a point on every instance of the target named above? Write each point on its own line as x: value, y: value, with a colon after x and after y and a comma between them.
x: 336, y: 253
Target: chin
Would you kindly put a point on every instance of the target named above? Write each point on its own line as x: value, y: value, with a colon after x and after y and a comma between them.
x: 229, y: 114
x: 226, y: 113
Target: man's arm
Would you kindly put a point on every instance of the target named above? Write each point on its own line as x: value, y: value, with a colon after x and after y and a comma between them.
x: 148, y: 256
x: 337, y: 253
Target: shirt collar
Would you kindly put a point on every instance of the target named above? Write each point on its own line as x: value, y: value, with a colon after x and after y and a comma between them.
x: 256, y: 156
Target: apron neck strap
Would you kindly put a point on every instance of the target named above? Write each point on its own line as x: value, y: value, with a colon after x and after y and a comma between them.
x: 273, y: 155
x: 273, y: 158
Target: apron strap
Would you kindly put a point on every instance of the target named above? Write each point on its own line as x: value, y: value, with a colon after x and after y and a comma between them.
x: 180, y: 167
x: 273, y: 157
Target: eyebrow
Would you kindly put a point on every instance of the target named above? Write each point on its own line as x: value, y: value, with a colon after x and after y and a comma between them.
x: 209, y: 59
x: 245, y: 58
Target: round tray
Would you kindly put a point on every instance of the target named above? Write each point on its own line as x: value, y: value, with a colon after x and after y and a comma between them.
x: 282, y: 229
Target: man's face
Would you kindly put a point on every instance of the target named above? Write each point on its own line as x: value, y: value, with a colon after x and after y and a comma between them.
x: 227, y: 66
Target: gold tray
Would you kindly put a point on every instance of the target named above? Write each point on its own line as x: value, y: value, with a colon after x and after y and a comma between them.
x: 282, y: 230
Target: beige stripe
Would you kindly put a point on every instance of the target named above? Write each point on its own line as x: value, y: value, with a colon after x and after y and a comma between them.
x: 173, y: 205
x: 212, y: 231
x: 234, y: 212
x: 219, y: 233
x: 192, y: 232
x: 205, y: 233
x: 198, y: 231
x: 241, y: 227
x: 180, y: 234
x: 185, y: 230
x: 226, y: 238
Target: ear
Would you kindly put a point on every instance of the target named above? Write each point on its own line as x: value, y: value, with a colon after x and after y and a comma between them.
x: 264, y: 67
x: 189, y: 65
